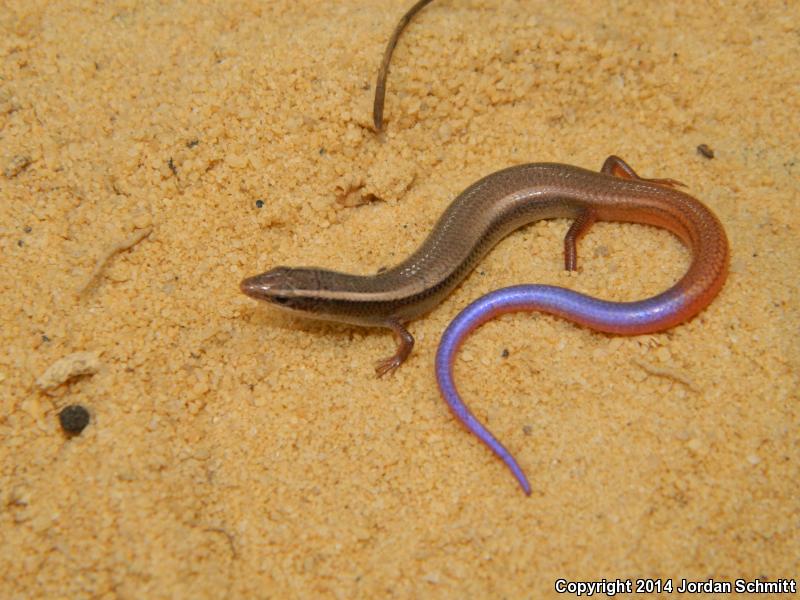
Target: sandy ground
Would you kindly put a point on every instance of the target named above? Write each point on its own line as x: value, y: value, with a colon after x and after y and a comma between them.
x: 237, y: 452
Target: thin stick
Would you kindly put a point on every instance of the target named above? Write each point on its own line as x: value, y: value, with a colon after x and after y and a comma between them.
x: 380, y: 85
x: 668, y: 373
x: 116, y: 247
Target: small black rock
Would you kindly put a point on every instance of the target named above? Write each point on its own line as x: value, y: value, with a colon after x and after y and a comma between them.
x: 74, y: 418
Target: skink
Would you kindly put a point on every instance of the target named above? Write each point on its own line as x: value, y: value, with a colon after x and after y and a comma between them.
x: 475, y: 221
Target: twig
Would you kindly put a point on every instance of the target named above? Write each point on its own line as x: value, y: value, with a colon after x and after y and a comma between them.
x: 666, y: 372
x: 128, y: 242
x: 383, y: 73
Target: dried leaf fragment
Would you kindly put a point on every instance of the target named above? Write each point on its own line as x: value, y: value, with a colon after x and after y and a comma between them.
x: 16, y: 165
x: 64, y: 369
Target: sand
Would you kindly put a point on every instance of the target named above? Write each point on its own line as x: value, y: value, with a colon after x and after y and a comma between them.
x: 152, y: 154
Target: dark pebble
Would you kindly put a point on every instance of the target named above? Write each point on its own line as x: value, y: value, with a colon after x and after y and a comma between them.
x: 74, y: 418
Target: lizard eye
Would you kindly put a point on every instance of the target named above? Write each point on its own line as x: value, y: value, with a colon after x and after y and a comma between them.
x: 280, y: 299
